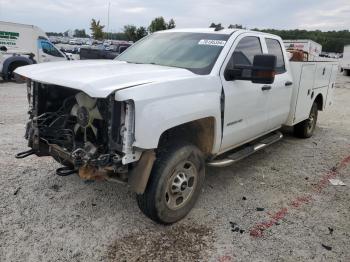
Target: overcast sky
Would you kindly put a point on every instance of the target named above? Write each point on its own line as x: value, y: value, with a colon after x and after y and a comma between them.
x: 60, y: 15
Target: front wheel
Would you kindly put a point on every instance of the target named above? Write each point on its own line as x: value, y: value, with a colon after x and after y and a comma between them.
x: 174, y: 185
x: 306, y: 128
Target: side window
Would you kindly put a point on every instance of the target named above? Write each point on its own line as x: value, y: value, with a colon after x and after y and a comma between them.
x: 245, y: 51
x: 49, y: 49
x: 274, y: 48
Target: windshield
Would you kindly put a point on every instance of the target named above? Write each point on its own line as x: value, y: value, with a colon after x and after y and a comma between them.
x: 196, y: 52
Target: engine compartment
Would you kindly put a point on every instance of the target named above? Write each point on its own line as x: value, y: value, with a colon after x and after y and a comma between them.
x: 77, y: 130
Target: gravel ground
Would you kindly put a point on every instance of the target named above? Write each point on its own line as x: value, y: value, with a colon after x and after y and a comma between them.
x: 49, y: 218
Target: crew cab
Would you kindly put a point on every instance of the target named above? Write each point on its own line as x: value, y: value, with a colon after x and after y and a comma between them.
x: 171, y: 104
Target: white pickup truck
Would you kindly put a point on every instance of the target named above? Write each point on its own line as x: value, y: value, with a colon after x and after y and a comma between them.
x: 171, y: 104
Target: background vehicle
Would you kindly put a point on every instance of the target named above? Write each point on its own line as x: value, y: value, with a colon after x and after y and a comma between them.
x: 73, y: 42
x: 169, y: 105
x: 102, y: 52
x: 311, y: 48
x: 24, y: 45
x: 345, y: 62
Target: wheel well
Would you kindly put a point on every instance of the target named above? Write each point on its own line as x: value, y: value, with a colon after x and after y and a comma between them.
x: 16, y: 64
x: 199, y: 132
x: 319, y: 102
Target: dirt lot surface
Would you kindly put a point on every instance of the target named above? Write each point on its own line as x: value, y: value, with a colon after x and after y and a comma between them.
x: 276, y: 205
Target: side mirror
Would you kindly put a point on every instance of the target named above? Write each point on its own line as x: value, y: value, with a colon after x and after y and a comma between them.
x: 261, y: 72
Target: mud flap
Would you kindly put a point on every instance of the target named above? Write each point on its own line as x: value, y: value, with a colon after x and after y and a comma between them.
x: 139, y: 176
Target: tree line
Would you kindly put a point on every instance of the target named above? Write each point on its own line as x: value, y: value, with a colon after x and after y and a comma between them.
x: 77, y: 33
x: 331, y: 41
x: 129, y: 33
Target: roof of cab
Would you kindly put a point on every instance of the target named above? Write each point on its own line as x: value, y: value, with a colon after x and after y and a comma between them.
x: 225, y: 31
x: 201, y: 30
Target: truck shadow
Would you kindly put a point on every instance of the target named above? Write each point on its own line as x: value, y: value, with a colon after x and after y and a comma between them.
x: 129, y: 236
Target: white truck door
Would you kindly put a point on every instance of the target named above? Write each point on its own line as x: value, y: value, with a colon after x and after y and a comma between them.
x: 48, y: 52
x: 245, y: 108
x: 281, y: 89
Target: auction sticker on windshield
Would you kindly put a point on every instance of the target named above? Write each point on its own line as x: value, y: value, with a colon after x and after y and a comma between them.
x: 212, y: 42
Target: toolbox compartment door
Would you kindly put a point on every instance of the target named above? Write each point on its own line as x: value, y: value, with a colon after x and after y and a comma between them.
x: 304, y: 100
x: 310, y: 79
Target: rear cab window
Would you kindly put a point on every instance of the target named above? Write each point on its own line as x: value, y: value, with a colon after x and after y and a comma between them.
x: 274, y: 48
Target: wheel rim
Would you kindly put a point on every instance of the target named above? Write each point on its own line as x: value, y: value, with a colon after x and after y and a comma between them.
x: 311, y: 121
x: 181, y: 185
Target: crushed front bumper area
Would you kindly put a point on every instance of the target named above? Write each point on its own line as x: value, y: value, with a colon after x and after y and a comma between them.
x: 90, y: 136
x: 135, y: 175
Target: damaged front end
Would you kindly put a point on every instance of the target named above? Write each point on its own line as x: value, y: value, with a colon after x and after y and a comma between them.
x: 91, y: 135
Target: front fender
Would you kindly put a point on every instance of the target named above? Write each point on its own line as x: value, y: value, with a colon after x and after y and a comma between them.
x: 164, y: 105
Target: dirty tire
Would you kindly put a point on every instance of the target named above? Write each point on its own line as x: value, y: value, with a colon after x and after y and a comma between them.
x: 182, y: 159
x: 306, y: 128
x: 13, y: 66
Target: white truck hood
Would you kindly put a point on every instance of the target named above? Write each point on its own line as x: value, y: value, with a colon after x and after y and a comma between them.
x: 99, y: 78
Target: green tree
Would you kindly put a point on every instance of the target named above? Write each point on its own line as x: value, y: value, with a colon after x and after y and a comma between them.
x: 115, y: 36
x: 141, y: 32
x: 130, y: 32
x: 79, y: 33
x: 96, y: 29
x: 171, y: 24
x: 157, y: 24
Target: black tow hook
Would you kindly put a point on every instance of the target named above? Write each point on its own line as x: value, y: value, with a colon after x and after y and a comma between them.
x: 25, y: 154
x: 65, y: 171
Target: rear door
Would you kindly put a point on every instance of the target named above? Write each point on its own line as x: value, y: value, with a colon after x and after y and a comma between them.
x: 245, y: 107
x: 281, y: 90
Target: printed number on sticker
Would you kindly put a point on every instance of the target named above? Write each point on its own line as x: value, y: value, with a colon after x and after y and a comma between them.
x: 212, y: 42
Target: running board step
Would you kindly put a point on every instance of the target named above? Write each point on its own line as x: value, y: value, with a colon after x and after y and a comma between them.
x: 247, y: 150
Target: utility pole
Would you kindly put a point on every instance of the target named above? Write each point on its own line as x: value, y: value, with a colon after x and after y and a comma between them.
x: 109, y: 5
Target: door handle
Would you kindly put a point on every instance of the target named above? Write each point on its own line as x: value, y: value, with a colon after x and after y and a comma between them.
x: 288, y: 83
x: 266, y: 87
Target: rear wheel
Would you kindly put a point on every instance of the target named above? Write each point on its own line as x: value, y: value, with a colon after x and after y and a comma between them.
x: 306, y: 128
x: 174, y: 185
x: 346, y: 72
